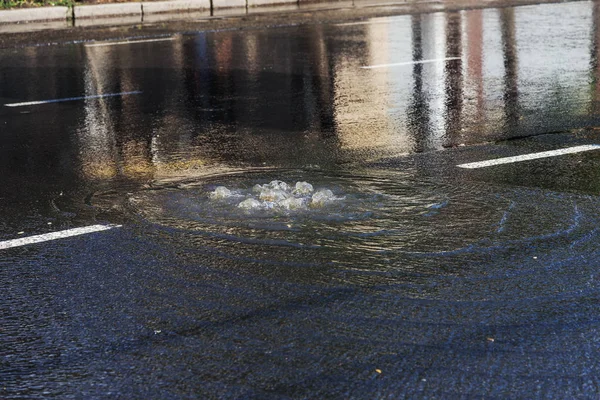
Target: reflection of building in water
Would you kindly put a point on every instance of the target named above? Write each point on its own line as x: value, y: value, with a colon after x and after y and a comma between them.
x: 473, y: 95
x: 435, y: 106
x: 418, y: 108
x: 511, y: 74
x: 553, y: 66
x: 369, y: 103
x: 214, y: 98
x: 434, y: 74
x: 174, y: 132
x: 454, y: 77
x: 115, y: 137
x: 302, y: 97
x: 36, y: 145
x: 104, y: 153
x: 253, y: 97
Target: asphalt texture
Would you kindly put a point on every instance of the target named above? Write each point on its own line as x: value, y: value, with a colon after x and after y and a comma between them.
x: 413, y: 278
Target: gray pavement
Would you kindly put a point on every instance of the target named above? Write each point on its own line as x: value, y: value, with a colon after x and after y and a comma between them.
x: 127, y: 272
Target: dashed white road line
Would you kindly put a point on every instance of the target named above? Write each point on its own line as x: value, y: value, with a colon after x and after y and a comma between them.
x: 55, y: 235
x: 128, y: 42
x: 96, y: 96
x: 434, y: 60
x: 530, y: 156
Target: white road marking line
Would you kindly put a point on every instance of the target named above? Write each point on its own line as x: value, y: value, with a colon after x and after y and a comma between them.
x: 55, y: 235
x: 97, y: 96
x: 128, y: 42
x: 531, y: 156
x: 410, y: 63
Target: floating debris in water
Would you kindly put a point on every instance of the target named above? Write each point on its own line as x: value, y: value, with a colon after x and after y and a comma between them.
x: 278, y: 195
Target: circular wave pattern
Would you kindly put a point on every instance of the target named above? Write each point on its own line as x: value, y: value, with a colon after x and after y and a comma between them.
x: 394, y: 227
x: 477, y: 289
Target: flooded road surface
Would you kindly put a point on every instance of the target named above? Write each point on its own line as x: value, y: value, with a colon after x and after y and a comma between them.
x: 286, y: 216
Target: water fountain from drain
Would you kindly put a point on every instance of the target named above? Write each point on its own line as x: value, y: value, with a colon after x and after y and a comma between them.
x: 278, y: 195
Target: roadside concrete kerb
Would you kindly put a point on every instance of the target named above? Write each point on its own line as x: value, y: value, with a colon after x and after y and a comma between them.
x: 275, y: 8
x: 257, y: 3
x: 216, y: 4
x: 184, y: 15
x: 230, y: 11
x: 34, y: 14
x: 109, y: 21
x: 108, y: 10
x: 158, y: 7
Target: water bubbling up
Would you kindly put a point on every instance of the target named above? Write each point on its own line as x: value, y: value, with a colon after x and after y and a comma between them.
x: 277, y: 195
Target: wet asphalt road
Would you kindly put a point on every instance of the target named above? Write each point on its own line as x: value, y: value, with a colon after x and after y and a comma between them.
x: 421, y: 279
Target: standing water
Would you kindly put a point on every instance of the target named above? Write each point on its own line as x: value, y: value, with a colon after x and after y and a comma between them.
x: 275, y: 281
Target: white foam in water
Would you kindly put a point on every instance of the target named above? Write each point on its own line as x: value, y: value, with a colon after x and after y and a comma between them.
x: 322, y: 197
x: 269, y: 205
x: 293, y: 203
x: 274, y: 195
x: 278, y: 195
x: 250, y: 204
x: 221, y: 192
x: 281, y: 185
x: 303, y: 188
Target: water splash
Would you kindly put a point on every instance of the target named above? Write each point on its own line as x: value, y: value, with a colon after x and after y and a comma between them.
x: 277, y: 195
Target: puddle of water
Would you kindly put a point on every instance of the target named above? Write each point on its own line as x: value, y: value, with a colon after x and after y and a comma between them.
x: 370, y: 227
x: 397, y: 260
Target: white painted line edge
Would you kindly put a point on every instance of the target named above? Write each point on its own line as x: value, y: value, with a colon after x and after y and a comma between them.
x: 103, y: 44
x: 530, y: 156
x: 55, y: 235
x: 96, y: 96
x: 410, y: 63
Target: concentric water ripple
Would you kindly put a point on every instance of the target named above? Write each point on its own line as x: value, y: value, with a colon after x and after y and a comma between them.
x: 425, y: 239
x: 445, y: 288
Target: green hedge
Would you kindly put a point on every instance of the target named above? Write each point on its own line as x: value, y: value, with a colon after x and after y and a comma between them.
x: 34, y: 3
